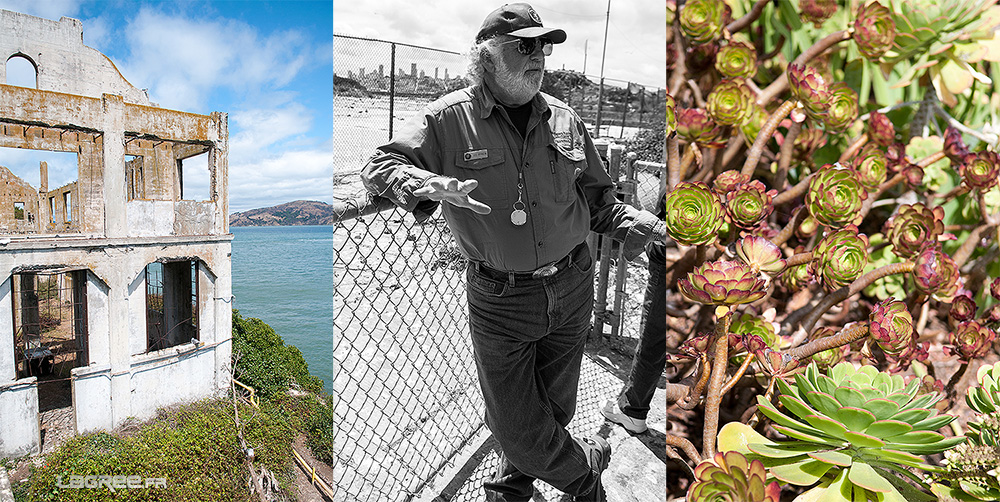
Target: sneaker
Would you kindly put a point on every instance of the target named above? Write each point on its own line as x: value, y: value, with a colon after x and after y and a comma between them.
x: 598, y: 456
x: 612, y: 412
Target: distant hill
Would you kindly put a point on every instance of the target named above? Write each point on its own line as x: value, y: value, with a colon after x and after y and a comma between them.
x: 300, y: 212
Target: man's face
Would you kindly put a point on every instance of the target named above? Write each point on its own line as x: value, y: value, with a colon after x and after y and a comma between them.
x: 518, y: 76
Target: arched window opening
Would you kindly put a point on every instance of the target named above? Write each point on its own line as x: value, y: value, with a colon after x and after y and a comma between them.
x: 21, y: 72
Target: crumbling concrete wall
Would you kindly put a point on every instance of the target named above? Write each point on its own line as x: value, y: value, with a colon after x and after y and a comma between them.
x: 126, y: 212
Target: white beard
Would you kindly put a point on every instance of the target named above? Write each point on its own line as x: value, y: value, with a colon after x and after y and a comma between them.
x: 518, y: 87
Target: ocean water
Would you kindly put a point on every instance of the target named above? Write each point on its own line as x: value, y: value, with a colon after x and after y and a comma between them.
x: 284, y: 276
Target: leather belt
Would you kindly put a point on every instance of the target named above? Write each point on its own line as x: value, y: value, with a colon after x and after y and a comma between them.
x: 539, y: 273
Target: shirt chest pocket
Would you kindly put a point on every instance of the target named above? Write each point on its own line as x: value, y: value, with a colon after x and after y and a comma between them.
x: 486, y: 166
x: 566, y: 166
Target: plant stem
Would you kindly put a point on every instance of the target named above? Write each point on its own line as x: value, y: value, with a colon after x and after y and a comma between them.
x: 790, y: 194
x: 785, y: 156
x: 798, y: 259
x: 966, y: 249
x: 684, y: 445
x: 853, y: 149
x: 694, y: 394
x: 855, y: 287
x: 789, y: 230
x: 753, y: 156
x: 748, y: 18
x: 714, y: 397
x: 738, y: 375
x: 949, y: 390
x: 781, y: 83
x: 673, y: 162
x: 866, y: 206
x: 849, y: 334
x: 675, y: 392
x: 930, y: 159
x: 689, y: 154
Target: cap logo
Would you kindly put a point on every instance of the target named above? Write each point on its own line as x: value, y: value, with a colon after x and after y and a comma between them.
x: 534, y: 15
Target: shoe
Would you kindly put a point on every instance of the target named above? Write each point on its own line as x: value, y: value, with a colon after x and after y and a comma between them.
x: 612, y: 412
x: 598, y: 456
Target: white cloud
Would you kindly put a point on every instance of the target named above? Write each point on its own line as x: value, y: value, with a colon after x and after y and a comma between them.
x: 62, y: 166
x: 262, y: 128
x: 284, y: 177
x: 49, y: 9
x: 181, y: 71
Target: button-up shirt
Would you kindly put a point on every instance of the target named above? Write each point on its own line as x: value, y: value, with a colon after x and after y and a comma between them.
x: 565, y: 189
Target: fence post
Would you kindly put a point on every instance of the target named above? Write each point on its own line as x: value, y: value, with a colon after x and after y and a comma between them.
x: 392, y: 88
x: 613, y: 153
x: 627, y: 190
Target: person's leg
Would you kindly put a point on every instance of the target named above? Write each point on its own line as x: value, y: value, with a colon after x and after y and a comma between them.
x: 651, y: 350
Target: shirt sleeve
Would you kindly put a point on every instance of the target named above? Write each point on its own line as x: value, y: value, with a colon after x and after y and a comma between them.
x: 404, y: 164
x: 612, y: 217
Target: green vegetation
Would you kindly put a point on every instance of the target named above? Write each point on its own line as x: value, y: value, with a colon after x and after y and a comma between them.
x: 264, y: 362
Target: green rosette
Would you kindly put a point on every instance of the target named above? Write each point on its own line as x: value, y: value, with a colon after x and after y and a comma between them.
x: 872, y: 168
x: 730, y: 477
x: 840, y: 257
x: 722, y: 283
x: 736, y: 60
x: 702, y: 20
x: 749, y: 204
x: 874, y: 30
x: 913, y: 227
x: 730, y: 103
x: 694, y: 213
x: 891, y: 326
x: 842, y: 109
x: 835, y: 196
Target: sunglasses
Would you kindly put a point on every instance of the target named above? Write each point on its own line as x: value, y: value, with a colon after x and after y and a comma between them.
x: 527, y: 46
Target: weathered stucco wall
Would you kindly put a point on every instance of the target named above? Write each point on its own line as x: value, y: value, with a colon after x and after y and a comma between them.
x: 19, y: 435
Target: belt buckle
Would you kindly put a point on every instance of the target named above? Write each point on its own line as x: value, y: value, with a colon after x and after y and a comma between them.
x: 546, y: 271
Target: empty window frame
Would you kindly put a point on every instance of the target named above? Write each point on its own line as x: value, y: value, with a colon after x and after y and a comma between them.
x: 50, y: 322
x: 171, y: 303
x: 18, y: 210
x: 194, y: 178
x: 68, y: 206
x: 21, y: 72
x: 134, y: 181
x: 52, y: 209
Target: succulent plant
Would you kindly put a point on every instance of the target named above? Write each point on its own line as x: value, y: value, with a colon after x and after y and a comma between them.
x: 891, y: 326
x: 935, y: 273
x: 751, y: 128
x: 748, y: 328
x: 913, y: 227
x: 760, y: 254
x: 829, y: 357
x: 835, y: 196
x: 810, y: 88
x: 995, y: 288
x: 797, y: 277
x: 880, y: 129
x: 807, y: 142
x: 874, y: 30
x: 982, y: 170
x: 722, y: 283
x: 853, y: 430
x: 840, y: 257
x: 736, y: 59
x: 954, y: 147
x: 963, y: 308
x: 817, y: 11
x: 727, y: 181
x: 696, y: 126
x: 694, y: 213
x: 970, y: 340
x: 749, y: 203
x: 871, y: 167
x: 702, y: 20
x: 974, y: 467
x: 671, y: 118
x: 730, y: 477
x: 842, y: 108
x: 730, y: 103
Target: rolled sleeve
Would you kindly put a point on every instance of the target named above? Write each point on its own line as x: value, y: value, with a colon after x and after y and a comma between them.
x: 403, y: 165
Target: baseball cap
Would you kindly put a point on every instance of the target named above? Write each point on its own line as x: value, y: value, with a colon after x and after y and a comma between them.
x: 518, y: 20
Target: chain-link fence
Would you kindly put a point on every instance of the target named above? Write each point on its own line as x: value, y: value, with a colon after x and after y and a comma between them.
x: 408, y: 395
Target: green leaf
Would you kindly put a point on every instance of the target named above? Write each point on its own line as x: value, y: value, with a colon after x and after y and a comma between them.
x: 882, y: 408
x: 824, y: 402
x: 802, y: 473
x: 888, y: 428
x: 863, y: 475
x: 768, y: 409
x: 829, y: 426
x: 913, y: 415
x: 839, y: 490
x: 796, y: 406
x: 819, y: 438
x: 782, y: 449
x: 855, y: 419
x: 862, y: 440
x: 832, y: 457
x: 894, y: 456
x: 934, y: 423
x: 735, y: 436
x: 917, y: 437
x: 850, y: 397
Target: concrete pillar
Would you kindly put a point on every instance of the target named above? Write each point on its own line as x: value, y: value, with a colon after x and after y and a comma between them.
x: 113, y: 118
x: 218, y: 166
x: 43, y: 176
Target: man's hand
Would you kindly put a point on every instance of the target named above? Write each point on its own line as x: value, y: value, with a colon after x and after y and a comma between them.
x: 452, y: 191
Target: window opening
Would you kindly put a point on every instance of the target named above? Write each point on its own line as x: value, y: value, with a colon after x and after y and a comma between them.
x: 171, y: 303
x: 21, y: 72
x: 50, y: 331
x: 68, y: 206
x: 52, y: 209
x: 18, y: 210
x: 193, y: 176
x: 29, y: 180
x: 134, y: 182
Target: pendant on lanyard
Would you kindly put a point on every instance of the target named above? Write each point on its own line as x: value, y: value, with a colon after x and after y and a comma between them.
x: 518, y: 217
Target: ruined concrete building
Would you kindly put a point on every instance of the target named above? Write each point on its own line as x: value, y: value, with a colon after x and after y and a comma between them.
x: 115, y: 286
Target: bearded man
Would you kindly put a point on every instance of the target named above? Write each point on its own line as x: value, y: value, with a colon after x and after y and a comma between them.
x: 523, y: 185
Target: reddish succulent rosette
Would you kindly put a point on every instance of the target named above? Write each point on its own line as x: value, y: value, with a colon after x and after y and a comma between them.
x: 749, y: 203
x: 874, y: 30
x: 809, y: 87
x: 970, y: 340
x: 891, y: 326
x: 807, y: 142
x: 730, y: 103
x: 736, y: 59
x: 727, y: 181
x: 694, y: 213
x: 954, y: 147
x: 671, y: 118
x: 797, y: 277
x: 760, y: 254
x: 982, y: 170
x: 753, y: 332
x: 963, y: 308
x: 702, y: 20
x: 840, y: 257
x: 842, y: 108
x: 995, y: 288
x: 871, y: 167
x: 835, y: 196
x: 696, y: 126
x: 880, y: 130
x: 817, y: 11
x: 935, y: 273
x: 730, y: 476
x: 913, y: 227
x: 722, y: 283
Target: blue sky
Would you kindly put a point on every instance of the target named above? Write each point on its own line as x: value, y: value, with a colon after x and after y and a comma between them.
x: 267, y: 64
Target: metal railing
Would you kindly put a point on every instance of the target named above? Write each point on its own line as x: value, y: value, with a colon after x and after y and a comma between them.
x: 404, y: 373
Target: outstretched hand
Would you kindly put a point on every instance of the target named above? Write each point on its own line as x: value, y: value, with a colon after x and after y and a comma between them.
x: 452, y: 191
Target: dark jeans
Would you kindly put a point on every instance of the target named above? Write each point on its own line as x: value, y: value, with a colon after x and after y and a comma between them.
x: 528, y: 338
x: 651, y: 351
